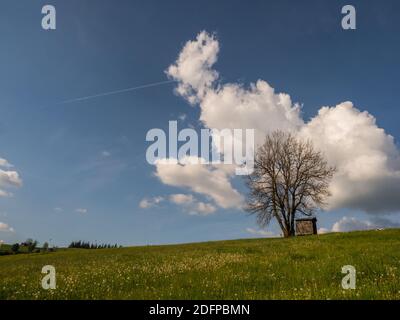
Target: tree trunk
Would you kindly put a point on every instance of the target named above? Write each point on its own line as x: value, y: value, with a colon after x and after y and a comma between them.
x: 285, y: 234
x: 288, y: 229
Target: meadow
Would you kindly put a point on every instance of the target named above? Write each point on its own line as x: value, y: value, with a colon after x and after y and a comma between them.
x: 297, y: 268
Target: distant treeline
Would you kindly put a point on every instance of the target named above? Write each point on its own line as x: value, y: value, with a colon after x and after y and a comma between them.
x: 29, y: 246
x: 88, y: 245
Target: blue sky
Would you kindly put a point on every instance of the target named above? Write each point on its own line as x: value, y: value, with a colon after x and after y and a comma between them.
x: 91, y: 154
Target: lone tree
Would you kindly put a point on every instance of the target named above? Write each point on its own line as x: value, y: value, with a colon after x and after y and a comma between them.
x: 290, y: 178
x: 31, y: 244
x: 15, y: 248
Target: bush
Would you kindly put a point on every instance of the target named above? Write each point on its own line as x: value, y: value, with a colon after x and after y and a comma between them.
x: 15, y: 248
x: 31, y: 244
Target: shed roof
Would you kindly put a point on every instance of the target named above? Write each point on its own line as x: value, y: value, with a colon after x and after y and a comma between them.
x: 307, y: 219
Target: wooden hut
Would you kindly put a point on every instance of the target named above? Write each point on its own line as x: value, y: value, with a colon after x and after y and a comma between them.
x: 306, y: 226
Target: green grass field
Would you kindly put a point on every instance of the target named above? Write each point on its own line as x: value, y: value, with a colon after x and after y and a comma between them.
x: 300, y: 268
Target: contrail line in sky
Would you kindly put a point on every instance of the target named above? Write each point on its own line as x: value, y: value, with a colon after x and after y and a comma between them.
x: 109, y: 93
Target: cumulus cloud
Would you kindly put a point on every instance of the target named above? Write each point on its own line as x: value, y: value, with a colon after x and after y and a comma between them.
x: 147, y: 203
x: 188, y: 202
x: 230, y: 106
x: 8, y: 178
x: 346, y: 224
x: 5, y: 227
x: 262, y: 233
x: 192, y: 205
x: 351, y: 224
x: 193, y: 67
x: 367, y: 159
x: 207, y: 180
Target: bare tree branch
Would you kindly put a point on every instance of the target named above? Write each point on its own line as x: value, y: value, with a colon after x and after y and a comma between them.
x: 290, y: 178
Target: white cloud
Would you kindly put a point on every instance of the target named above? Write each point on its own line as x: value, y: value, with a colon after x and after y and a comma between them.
x: 81, y: 210
x: 188, y: 202
x: 193, y: 67
x: 262, y: 233
x: 150, y: 202
x: 5, y: 227
x: 8, y: 178
x: 203, y: 208
x: 58, y: 209
x: 346, y: 224
x: 192, y: 205
x: 230, y: 105
x: 5, y: 164
x: 106, y: 153
x: 5, y: 194
x: 181, y: 198
x: 367, y: 159
x: 323, y: 230
x: 349, y: 224
x: 207, y: 180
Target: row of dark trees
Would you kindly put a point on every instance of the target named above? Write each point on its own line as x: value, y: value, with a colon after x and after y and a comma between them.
x: 87, y: 245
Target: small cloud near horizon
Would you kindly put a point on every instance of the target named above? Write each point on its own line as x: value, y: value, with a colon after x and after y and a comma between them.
x: 4, y: 227
x: 262, y: 233
x: 81, y: 210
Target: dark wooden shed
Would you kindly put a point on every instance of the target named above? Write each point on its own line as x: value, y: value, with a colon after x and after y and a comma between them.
x: 306, y: 226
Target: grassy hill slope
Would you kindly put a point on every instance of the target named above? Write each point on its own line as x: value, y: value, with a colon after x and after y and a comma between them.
x: 300, y: 268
